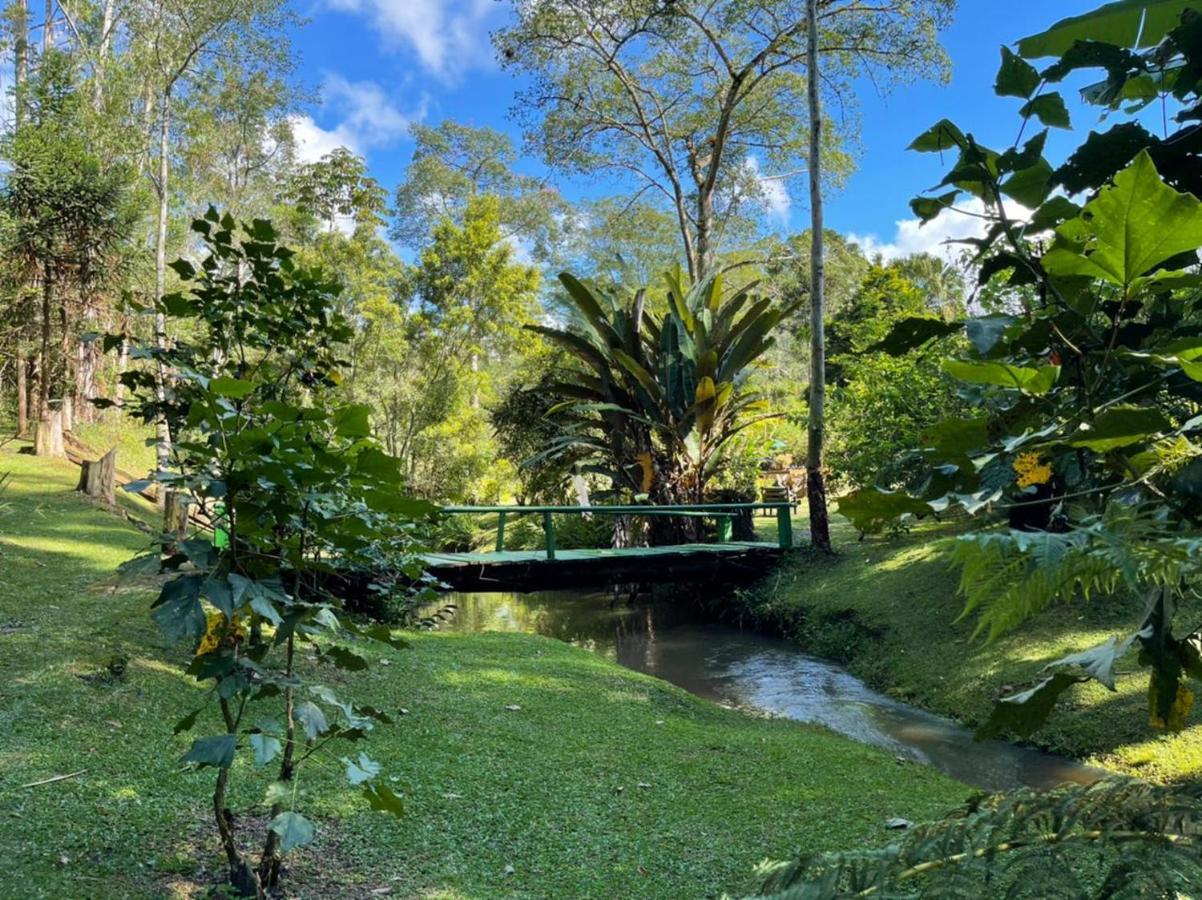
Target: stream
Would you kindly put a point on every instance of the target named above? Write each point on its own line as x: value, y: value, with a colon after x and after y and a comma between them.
x: 759, y: 672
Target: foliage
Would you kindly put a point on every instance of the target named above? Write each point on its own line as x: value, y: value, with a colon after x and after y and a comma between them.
x: 881, y: 402
x: 659, y: 399
x: 67, y: 217
x: 1092, y: 366
x: 454, y: 165
x: 436, y: 354
x: 337, y: 188
x: 306, y: 494
x: 672, y: 97
x: 1116, y: 838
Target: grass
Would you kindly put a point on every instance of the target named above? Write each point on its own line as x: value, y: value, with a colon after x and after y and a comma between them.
x: 605, y: 783
x: 129, y: 439
x: 887, y: 608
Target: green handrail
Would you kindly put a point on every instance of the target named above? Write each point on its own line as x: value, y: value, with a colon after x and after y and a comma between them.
x: 722, y: 512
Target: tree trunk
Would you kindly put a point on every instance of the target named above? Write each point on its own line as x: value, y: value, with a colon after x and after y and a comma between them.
x: 163, y: 449
x: 22, y: 393
x: 20, y: 26
x: 820, y: 532
x: 48, y: 439
x: 48, y: 28
x: 97, y: 478
x: 44, y: 364
x: 102, y: 54
x: 122, y: 361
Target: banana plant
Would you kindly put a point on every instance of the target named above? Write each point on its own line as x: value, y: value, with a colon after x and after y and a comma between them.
x: 656, y: 400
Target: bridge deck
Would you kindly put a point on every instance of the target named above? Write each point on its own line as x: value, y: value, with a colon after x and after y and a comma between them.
x: 527, y: 570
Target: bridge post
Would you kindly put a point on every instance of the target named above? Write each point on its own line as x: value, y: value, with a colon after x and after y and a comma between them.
x: 549, y: 534
x: 500, y: 532
x: 725, y: 528
x: 784, y: 527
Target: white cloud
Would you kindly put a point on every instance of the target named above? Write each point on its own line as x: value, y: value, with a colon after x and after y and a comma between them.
x: 773, y: 192
x: 448, y: 36
x: 366, y: 118
x: 911, y: 236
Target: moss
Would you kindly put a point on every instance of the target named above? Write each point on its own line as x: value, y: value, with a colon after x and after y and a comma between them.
x: 604, y: 783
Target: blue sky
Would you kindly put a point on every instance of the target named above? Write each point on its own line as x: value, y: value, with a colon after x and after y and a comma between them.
x: 375, y: 66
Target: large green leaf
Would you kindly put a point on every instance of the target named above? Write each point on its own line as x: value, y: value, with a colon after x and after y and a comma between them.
x: 294, y: 830
x: 911, y: 333
x: 1129, y: 228
x: 1016, y: 77
x: 178, y: 610
x: 216, y: 751
x: 1120, y: 426
x: 1024, y: 713
x: 1031, y: 381
x: 1127, y: 23
x: 943, y: 135
x: 870, y: 510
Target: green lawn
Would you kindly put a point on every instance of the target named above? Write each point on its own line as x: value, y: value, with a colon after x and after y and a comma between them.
x: 886, y: 607
x: 605, y: 783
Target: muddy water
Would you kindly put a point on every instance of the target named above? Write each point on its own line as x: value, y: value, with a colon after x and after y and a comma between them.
x: 755, y: 671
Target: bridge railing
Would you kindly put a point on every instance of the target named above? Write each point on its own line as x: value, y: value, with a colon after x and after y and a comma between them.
x: 723, y: 513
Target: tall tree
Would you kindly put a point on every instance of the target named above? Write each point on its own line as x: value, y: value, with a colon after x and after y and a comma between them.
x: 65, y: 214
x: 820, y: 530
x: 180, y: 40
x: 687, y: 99
x: 454, y: 163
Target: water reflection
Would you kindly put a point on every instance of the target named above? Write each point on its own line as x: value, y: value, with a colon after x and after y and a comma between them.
x: 747, y: 669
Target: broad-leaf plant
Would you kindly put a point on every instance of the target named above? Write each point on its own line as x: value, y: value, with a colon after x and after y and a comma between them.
x: 656, y: 399
x: 300, y: 494
x: 1085, y: 369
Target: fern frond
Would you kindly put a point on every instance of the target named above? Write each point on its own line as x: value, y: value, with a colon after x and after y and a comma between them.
x: 1119, y: 837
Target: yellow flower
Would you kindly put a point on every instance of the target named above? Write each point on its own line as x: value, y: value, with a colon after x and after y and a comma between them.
x: 215, y: 630
x: 1031, y: 469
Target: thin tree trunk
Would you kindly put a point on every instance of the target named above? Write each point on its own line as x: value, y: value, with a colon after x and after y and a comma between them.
x: 22, y: 393
x: 102, y: 53
x: 20, y: 56
x: 48, y: 28
x: 122, y: 361
x: 44, y: 365
x: 820, y: 532
x: 163, y: 450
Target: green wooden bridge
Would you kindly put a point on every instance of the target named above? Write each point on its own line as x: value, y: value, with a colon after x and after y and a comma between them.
x: 553, y: 567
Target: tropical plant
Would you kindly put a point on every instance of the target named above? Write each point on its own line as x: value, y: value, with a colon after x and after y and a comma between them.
x: 1087, y: 386
x: 1116, y: 838
x: 657, y: 401
x: 306, y: 495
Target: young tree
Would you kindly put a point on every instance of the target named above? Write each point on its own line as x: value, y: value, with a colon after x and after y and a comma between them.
x: 305, y: 490
x: 686, y: 99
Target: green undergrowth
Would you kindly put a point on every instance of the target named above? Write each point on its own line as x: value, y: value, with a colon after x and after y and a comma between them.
x: 886, y: 607
x: 529, y: 768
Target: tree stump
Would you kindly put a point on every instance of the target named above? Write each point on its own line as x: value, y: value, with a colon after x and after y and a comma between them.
x: 175, y: 518
x: 98, y: 477
x: 48, y: 439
